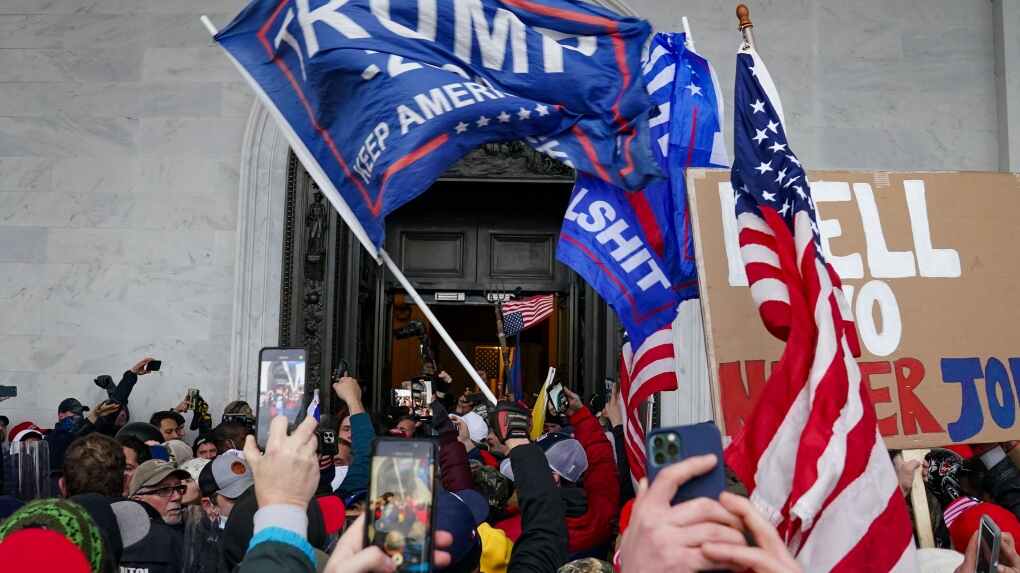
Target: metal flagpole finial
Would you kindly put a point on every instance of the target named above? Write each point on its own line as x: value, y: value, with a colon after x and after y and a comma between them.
x: 745, y: 26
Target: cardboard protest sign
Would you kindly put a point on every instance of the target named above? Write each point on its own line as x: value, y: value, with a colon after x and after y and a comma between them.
x: 930, y: 265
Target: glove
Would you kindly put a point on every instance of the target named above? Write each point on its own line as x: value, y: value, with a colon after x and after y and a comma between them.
x: 943, y: 479
x: 509, y: 421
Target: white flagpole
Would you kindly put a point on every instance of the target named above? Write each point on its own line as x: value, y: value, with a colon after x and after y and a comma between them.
x: 687, y: 34
x: 345, y: 212
x: 436, y: 324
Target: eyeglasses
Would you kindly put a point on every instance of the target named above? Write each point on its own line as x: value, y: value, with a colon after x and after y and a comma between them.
x: 167, y: 491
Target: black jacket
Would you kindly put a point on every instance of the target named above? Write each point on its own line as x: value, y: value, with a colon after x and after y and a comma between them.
x: 274, y: 557
x: 241, y: 527
x: 161, y: 551
x: 1002, y: 482
x: 542, y: 546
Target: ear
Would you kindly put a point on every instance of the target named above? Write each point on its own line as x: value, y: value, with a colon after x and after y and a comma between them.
x: 63, y: 487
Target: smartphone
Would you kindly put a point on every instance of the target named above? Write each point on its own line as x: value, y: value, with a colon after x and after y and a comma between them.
x: 988, y: 546
x: 666, y: 446
x: 153, y: 365
x: 399, y: 518
x: 281, y: 388
x: 421, y: 396
x: 192, y: 397
x: 401, y: 397
x: 557, y: 401
x: 610, y: 388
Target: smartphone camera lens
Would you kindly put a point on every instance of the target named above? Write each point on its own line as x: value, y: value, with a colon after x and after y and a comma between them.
x: 672, y: 450
x: 657, y: 442
x: 660, y: 458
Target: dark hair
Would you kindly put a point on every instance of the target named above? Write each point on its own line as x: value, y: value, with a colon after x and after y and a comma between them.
x: 229, y: 435
x: 203, y: 439
x: 158, y: 418
x: 132, y: 443
x: 5, y: 421
x: 94, y: 464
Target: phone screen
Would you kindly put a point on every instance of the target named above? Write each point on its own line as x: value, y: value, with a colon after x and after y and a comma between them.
x: 421, y: 393
x: 402, y: 398
x: 557, y: 399
x: 988, y: 547
x: 399, y: 516
x: 281, y: 387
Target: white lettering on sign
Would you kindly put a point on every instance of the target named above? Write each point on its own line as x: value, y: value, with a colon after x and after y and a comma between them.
x: 882, y: 263
x: 504, y: 32
x: 931, y: 262
x: 631, y: 252
x: 849, y: 266
x: 880, y: 340
x: 370, y: 151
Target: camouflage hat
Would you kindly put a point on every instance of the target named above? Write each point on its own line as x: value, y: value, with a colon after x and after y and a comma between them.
x: 496, y: 488
x: 587, y: 565
x: 238, y: 408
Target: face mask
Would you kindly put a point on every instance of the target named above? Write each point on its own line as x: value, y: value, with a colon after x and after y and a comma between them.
x: 70, y: 423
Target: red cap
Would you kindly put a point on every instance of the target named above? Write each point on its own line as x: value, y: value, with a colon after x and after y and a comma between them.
x: 41, y: 550
x: 333, y: 513
x: 24, y: 429
x: 969, y: 521
x: 965, y: 451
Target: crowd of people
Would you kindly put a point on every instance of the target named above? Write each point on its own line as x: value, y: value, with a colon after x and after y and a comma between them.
x: 112, y: 494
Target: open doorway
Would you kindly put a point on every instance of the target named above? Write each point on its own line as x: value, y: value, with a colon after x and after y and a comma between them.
x: 473, y: 328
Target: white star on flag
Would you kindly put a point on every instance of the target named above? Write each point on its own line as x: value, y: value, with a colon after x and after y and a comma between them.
x: 781, y: 174
x: 482, y: 121
x: 758, y: 106
x: 786, y: 207
x: 777, y: 147
x: 524, y: 113
x: 461, y: 127
x: 772, y: 126
x: 790, y: 181
x: 759, y: 136
x: 764, y: 167
x: 768, y: 196
x: 542, y: 110
x: 504, y: 117
x: 800, y: 191
x: 694, y: 89
x: 794, y: 160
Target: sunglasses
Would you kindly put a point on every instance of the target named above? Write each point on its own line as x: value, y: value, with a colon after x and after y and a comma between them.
x: 167, y: 491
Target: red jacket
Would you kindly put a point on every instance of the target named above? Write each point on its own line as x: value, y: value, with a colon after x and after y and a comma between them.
x: 601, y: 483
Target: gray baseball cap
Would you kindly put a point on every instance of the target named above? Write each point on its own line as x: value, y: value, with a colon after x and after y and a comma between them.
x: 152, y: 472
x: 227, y: 475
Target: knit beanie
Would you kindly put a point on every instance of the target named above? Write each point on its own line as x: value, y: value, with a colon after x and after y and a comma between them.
x: 64, y: 517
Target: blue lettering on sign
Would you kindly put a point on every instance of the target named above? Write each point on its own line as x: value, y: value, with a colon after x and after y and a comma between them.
x: 996, y: 383
x: 964, y: 371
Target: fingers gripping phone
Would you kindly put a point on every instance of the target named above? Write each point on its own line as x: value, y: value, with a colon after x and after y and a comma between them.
x: 667, y: 446
x: 989, y: 539
x: 402, y: 494
x: 281, y: 388
x: 557, y: 399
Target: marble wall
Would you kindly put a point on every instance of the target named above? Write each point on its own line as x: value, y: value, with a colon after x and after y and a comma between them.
x: 121, y: 128
x: 120, y: 134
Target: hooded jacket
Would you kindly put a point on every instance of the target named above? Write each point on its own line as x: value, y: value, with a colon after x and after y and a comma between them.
x: 601, y: 483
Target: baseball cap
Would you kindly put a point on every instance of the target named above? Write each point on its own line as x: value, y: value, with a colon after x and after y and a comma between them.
x: 194, y: 467
x: 238, y: 408
x: 152, y: 472
x: 41, y: 550
x: 565, y: 455
x: 179, y: 451
x: 968, y: 522
x: 227, y: 475
x: 23, y: 430
x: 71, y: 405
x: 333, y: 513
x: 478, y: 430
x: 455, y: 516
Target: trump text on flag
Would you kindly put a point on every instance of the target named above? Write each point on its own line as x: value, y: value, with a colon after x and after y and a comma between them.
x: 928, y: 274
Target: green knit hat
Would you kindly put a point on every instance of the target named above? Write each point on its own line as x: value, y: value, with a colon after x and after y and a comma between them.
x: 64, y: 517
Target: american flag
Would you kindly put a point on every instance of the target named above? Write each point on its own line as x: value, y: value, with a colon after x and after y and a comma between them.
x: 810, y: 453
x: 649, y: 370
x: 527, y: 312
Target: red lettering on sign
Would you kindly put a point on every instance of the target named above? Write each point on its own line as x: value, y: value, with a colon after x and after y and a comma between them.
x: 739, y: 400
x: 909, y: 375
x: 887, y: 425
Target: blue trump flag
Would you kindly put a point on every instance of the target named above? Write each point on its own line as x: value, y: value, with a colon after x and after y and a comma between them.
x: 380, y: 97
x: 635, y: 248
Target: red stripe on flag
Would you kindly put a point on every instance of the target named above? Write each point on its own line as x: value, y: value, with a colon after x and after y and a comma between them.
x: 884, y: 543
